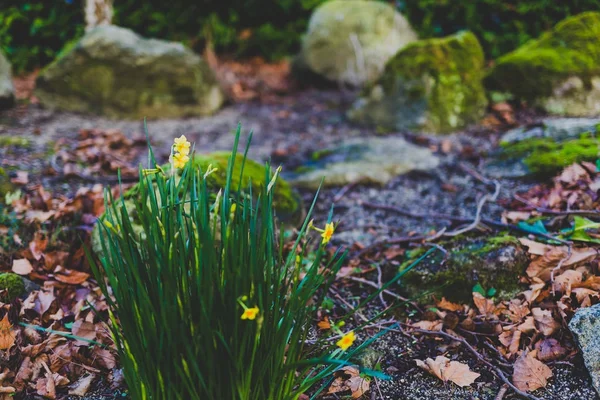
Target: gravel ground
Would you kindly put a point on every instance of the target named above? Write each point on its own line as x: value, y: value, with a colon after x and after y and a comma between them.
x: 287, y: 131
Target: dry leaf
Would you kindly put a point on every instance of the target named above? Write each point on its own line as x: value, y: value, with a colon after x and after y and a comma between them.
x: 511, y: 340
x: 349, y: 379
x: 429, y: 325
x: 22, y: 267
x: 530, y: 374
x: 7, y: 334
x: 324, y: 324
x: 105, y: 358
x: 565, y: 281
x: 38, y: 245
x: 535, y: 289
x: 85, y: 330
x: 447, y: 305
x: 527, y: 325
x: 485, y: 306
x: 447, y: 370
x: 550, y: 350
x: 72, y: 277
x: 544, y: 321
x: 81, y: 387
x: 518, y: 310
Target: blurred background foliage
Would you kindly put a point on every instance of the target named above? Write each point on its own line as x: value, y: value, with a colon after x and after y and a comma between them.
x: 33, y: 32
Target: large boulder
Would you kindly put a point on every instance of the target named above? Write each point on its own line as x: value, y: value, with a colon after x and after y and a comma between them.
x: 559, y: 72
x: 350, y: 41
x: 7, y: 91
x: 432, y: 85
x: 585, y: 326
x: 113, y: 71
x: 366, y: 161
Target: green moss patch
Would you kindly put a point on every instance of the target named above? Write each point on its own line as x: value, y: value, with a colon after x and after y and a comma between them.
x: 547, y: 156
x: 571, y: 48
x: 12, y: 286
x: 495, y: 262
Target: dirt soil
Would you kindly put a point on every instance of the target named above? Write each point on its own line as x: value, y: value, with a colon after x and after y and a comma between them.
x: 287, y: 130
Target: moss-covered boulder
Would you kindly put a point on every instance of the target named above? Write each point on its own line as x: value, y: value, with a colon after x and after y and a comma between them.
x: 432, y: 85
x: 494, y: 263
x: 349, y: 41
x: 11, y: 287
x: 7, y: 91
x: 113, y: 71
x: 558, y: 72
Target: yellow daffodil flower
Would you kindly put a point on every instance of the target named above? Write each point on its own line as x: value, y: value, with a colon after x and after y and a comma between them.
x: 179, y: 160
x: 250, y: 313
x: 182, y: 146
x: 346, y: 341
x: 327, y: 233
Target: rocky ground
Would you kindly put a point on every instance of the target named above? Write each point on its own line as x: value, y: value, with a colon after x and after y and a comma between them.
x: 294, y: 131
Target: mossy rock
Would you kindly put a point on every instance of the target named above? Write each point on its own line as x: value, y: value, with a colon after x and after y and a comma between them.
x: 432, y: 85
x: 112, y: 71
x: 495, y: 262
x: 13, y: 285
x: 7, y: 90
x: 286, y: 201
x: 546, y: 156
x: 558, y: 72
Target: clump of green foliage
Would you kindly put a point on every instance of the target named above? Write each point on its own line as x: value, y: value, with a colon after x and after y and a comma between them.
x: 32, y: 33
x: 204, y: 302
x: 500, y: 25
x: 533, y: 70
x: 546, y: 156
x: 12, y: 286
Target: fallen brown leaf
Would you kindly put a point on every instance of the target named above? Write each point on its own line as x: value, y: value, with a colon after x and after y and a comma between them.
x: 447, y: 370
x: 349, y: 379
x: 530, y: 374
x: 550, y: 350
x: 447, y: 305
x: 82, y: 386
x: 7, y: 334
x: 544, y: 321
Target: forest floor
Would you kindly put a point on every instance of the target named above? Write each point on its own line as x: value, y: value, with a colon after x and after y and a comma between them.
x: 60, y: 159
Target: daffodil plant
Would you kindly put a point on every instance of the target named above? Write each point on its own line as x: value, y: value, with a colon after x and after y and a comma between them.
x: 204, y: 302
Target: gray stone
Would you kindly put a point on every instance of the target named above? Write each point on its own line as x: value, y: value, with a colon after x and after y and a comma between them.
x: 350, y: 41
x: 585, y: 327
x: 113, y: 71
x: 555, y: 128
x: 433, y: 86
x: 373, y: 160
x: 7, y: 91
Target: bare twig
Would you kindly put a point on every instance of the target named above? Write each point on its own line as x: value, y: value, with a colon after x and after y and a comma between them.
x: 501, y: 392
x: 543, y: 210
x: 487, y: 221
x: 388, y: 292
x: 487, y: 197
x: 343, y: 191
x: 379, y: 284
